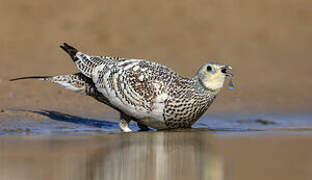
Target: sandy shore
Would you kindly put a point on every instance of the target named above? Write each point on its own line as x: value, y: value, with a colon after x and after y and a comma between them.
x: 269, y: 48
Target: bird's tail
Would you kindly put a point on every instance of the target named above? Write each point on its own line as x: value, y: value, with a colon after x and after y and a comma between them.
x: 74, y: 82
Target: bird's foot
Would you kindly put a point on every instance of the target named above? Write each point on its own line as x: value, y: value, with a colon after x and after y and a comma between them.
x: 124, y: 125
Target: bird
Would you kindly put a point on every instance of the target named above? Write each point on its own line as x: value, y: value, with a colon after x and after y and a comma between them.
x: 143, y: 91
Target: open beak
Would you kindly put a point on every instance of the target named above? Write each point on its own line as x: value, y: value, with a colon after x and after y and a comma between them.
x: 224, y: 70
x: 228, y: 67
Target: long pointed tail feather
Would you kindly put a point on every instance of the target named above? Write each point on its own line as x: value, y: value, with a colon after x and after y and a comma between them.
x: 32, y: 77
x: 75, y: 82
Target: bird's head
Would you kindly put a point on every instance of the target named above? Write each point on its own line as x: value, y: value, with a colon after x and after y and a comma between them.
x: 212, y: 76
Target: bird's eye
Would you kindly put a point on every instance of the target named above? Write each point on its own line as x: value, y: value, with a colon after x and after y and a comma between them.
x: 209, y: 68
x: 223, y: 71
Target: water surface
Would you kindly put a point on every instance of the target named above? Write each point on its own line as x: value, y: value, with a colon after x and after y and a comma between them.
x: 157, y: 155
x: 55, y: 145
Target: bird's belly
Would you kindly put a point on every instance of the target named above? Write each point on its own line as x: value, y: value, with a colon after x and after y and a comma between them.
x: 152, y: 118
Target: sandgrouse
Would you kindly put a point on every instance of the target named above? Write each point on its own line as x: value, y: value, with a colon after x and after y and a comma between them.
x: 149, y: 93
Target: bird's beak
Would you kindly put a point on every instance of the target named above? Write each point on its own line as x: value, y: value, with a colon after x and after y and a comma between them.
x: 227, y: 67
x: 224, y: 70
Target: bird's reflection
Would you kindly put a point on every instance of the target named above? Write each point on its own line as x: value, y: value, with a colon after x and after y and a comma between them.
x: 159, y: 155
x: 141, y: 155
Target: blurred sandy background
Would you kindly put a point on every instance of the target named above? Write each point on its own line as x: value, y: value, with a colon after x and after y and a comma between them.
x: 268, y: 43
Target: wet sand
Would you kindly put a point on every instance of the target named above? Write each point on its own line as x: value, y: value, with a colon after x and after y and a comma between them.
x: 50, y: 122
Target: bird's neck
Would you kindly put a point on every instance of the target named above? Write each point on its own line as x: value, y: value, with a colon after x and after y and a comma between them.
x: 202, y: 87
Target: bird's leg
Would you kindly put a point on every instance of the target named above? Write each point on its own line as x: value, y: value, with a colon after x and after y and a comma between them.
x: 124, y: 123
x: 142, y: 127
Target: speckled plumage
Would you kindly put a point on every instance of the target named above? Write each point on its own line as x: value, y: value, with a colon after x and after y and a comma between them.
x: 144, y: 91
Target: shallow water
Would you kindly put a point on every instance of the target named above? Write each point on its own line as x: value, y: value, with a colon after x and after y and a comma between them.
x: 158, y: 155
x: 54, y: 145
x: 46, y: 122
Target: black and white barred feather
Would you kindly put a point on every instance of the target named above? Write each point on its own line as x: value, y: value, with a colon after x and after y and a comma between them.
x: 144, y: 91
